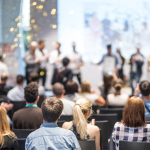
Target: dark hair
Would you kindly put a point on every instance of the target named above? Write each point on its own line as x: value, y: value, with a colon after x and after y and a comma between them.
x: 31, y: 92
x: 134, y: 113
x: 20, y: 79
x: 41, y: 41
x: 118, y: 84
x: 58, y: 89
x: 4, y: 77
x: 1, y: 58
x: 71, y: 87
x: 52, y: 108
x: 65, y: 61
x: 108, y: 79
x: 145, y: 88
x: 109, y: 46
x: 34, y: 77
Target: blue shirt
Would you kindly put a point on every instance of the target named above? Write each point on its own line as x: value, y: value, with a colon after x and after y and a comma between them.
x: 147, y: 103
x: 51, y: 137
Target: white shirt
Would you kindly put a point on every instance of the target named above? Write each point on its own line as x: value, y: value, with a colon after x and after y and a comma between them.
x: 3, y: 68
x: 43, y: 60
x: 118, y: 100
x: 77, y: 59
x: 16, y: 94
x: 90, y: 96
x: 73, y: 97
x: 68, y: 107
x: 41, y: 90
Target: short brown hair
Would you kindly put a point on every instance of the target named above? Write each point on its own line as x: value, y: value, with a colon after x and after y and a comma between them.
x: 31, y: 92
x: 34, y: 77
x: 85, y: 87
x: 52, y: 108
x: 20, y: 79
x: 71, y: 87
x: 58, y: 89
x: 134, y: 112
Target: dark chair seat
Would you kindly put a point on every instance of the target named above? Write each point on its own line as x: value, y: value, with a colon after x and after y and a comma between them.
x: 124, y: 145
x: 112, y: 119
x: 87, y: 145
x: 22, y: 133
x: 66, y: 118
x: 117, y: 111
x: 22, y: 143
x: 103, y: 125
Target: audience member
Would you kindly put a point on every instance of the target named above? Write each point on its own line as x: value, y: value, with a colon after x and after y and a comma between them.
x: 133, y: 126
x: 64, y: 74
x: 29, y: 117
x: 3, y: 66
x: 34, y: 77
x: 71, y: 91
x: 17, y: 93
x: 4, y: 88
x: 144, y: 89
x: 117, y: 99
x: 49, y: 135
x: 107, y: 87
x: 8, y: 139
x: 79, y: 126
x: 58, y: 91
x: 93, y: 96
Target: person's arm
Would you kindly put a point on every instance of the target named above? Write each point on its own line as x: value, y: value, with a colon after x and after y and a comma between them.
x: 74, y: 142
x: 31, y: 61
x: 97, y: 138
x: 16, y: 145
x: 65, y: 125
x: 107, y: 103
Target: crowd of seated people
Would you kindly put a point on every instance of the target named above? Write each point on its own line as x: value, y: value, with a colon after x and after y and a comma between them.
x: 69, y: 99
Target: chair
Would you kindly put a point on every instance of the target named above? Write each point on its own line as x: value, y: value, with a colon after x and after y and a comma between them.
x: 41, y: 99
x: 124, y: 145
x: 22, y: 133
x: 147, y: 122
x: 3, y: 98
x: 117, y: 111
x: 95, y: 108
x: 17, y: 105
x: 115, y: 106
x: 60, y: 123
x: 87, y: 145
x: 103, y: 125
x: 112, y: 119
x: 147, y: 118
x: 22, y: 143
x: 66, y: 118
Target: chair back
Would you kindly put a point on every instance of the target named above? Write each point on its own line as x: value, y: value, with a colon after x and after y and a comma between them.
x: 22, y: 143
x: 66, y: 118
x: 103, y: 125
x: 87, y: 145
x: 17, y: 105
x: 115, y: 106
x: 95, y: 108
x: 112, y: 119
x: 124, y: 145
x: 60, y: 123
x: 147, y: 118
x: 3, y: 98
x: 22, y: 133
x: 41, y: 99
x: 117, y: 111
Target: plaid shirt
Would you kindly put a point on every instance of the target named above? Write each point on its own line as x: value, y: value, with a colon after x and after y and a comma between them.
x: 124, y: 133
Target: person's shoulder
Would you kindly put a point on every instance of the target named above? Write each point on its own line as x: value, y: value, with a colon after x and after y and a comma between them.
x: 67, y: 125
x: 19, y: 112
x: 94, y: 128
x: 68, y: 101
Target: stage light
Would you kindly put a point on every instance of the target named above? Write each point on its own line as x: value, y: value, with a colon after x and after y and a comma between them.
x: 45, y: 14
x: 35, y: 26
x: 34, y: 3
x: 0, y: 49
x: 11, y: 29
x: 16, y: 19
x: 33, y: 20
x: 18, y: 24
x: 41, y: 7
x: 30, y: 28
x: 19, y: 35
x: 54, y: 26
x: 53, y: 12
x: 14, y: 8
x: 16, y: 45
x: 20, y: 45
x: 42, y: 0
x: 4, y: 55
x: 15, y: 39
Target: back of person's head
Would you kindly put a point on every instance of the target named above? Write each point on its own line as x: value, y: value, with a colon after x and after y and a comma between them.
x: 145, y: 88
x: 65, y: 61
x: 118, y: 84
x: 41, y: 42
x: 52, y: 108
x: 71, y: 87
x: 109, y: 46
x: 58, y: 89
x: 1, y: 58
x: 134, y: 112
x: 20, y: 79
x: 31, y: 92
x: 108, y: 79
x: 82, y: 106
x: 4, y: 126
x: 85, y: 87
x: 34, y: 77
x: 4, y: 77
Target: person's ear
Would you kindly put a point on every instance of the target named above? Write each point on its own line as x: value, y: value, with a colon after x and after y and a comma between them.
x: 64, y: 92
x: 37, y: 99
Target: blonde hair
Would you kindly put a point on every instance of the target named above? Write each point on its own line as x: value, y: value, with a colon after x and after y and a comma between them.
x: 81, y: 107
x: 85, y: 87
x: 4, y: 126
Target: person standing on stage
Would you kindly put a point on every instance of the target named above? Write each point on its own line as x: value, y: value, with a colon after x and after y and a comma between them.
x: 115, y: 56
x: 43, y: 54
x: 136, y: 63
x: 3, y: 66
x: 120, y: 71
x: 75, y: 62
x: 32, y: 60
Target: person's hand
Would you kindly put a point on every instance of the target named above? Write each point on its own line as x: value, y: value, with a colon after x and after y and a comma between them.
x: 92, y: 122
x: 37, y: 60
x: 7, y: 106
x: 137, y: 90
x: 47, y: 55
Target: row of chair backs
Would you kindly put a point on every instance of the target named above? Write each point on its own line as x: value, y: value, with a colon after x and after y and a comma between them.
x: 22, y: 143
x: 124, y: 145
x: 66, y: 118
x: 22, y: 133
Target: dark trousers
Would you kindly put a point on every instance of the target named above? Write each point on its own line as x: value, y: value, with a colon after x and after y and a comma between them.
x: 42, y: 75
x: 27, y: 77
x: 120, y: 73
x: 78, y: 77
